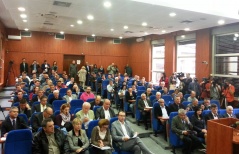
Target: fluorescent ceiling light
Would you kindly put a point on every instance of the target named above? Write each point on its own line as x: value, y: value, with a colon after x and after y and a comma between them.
x: 236, y: 35
x: 182, y: 36
x: 90, y: 17
x: 72, y: 25
x: 112, y: 29
x: 187, y: 29
x: 221, y: 22
x: 24, y: 20
x: 93, y: 35
x: 23, y: 15
x: 235, y: 38
x: 61, y: 32
x: 79, y: 22
x: 144, y: 24
x: 145, y: 33
x: 126, y: 27
x: 26, y: 29
x: 163, y: 31
x: 107, y: 4
x: 120, y: 37
x: 21, y: 9
x: 172, y: 14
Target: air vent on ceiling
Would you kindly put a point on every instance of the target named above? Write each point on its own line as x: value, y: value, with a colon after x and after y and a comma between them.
x: 186, y: 21
x: 49, y: 16
x: 90, y: 39
x: 116, y: 41
x: 26, y: 34
x: 62, y: 4
x: 129, y: 32
x: 47, y: 23
x: 60, y: 36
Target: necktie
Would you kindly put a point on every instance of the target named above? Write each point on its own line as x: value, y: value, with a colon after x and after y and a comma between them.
x: 14, y: 124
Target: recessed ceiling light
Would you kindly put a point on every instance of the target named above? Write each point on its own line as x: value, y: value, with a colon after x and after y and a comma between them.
x: 126, y: 27
x: 163, y: 31
x: 120, y: 37
x: 79, y: 22
x: 144, y: 24
x: 24, y: 20
x: 26, y: 29
x: 112, y: 29
x: 61, y: 32
x: 236, y: 35
x: 235, y: 38
x: 90, y: 17
x: 221, y: 22
x: 21, y: 9
x: 107, y: 4
x: 182, y: 36
x: 172, y: 14
x: 72, y: 25
x: 187, y: 29
x: 93, y: 35
x: 23, y: 15
x: 145, y: 33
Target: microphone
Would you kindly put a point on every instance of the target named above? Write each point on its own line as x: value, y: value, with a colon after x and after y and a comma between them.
x: 235, y: 124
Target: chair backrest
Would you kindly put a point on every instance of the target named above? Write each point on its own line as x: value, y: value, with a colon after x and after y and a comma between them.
x: 26, y: 96
x: 154, y: 92
x: 186, y: 96
x: 173, y: 138
x: 50, y: 96
x: 62, y: 91
x: 139, y: 92
x: 222, y: 111
x: 185, y: 103
x: 141, y: 88
x: 32, y: 117
x: 19, y: 142
x: 76, y: 103
x: 15, y: 104
x: 167, y: 99
x: 104, y: 84
x: 190, y: 114
x: 137, y: 112
x: 112, y: 120
x: 236, y: 111
x: 90, y: 100
x: 205, y: 112
x: 95, y: 108
x: 91, y: 125
x: 77, y: 110
x: 57, y: 112
x: 170, y: 92
x: 56, y: 104
x: 152, y: 98
x: 156, y: 125
x: 35, y: 103
x: 24, y: 117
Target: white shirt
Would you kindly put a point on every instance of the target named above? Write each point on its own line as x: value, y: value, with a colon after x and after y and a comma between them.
x: 124, y: 129
x: 42, y: 108
x: 70, y: 98
x: 146, y: 103
x: 215, y: 116
x: 86, y: 123
x: 107, y: 114
x: 164, y: 112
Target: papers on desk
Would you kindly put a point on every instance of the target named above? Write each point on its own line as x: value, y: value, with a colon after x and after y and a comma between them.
x: 135, y: 135
x: 148, y: 107
x: 3, y: 138
x: 102, y: 148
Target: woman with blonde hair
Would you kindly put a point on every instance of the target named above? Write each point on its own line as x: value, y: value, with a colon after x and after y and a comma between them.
x: 82, y: 76
x: 78, y: 141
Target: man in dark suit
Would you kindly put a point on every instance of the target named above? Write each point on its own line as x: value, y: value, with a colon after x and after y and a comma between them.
x: 229, y: 113
x: 45, y: 67
x: 56, y: 96
x: 24, y: 108
x: 182, y: 127
x: 105, y: 112
x: 161, y: 112
x: 144, y: 107
x: 37, y: 118
x: 34, y: 67
x: 88, y: 71
x: 42, y: 106
x: 176, y: 105
x: 23, y: 66
x: 12, y: 122
x: 213, y: 114
x: 96, y: 102
x: 207, y: 104
x: 126, y: 139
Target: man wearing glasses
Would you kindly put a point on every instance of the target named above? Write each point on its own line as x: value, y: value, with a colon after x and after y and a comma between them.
x: 39, y: 117
x: 42, y: 106
x: 125, y: 138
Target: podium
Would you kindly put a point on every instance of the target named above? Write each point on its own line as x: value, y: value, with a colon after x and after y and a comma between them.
x: 221, y: 137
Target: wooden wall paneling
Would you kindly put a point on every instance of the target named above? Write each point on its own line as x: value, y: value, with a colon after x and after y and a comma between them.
x: 170, y: 55
x: 203, y: 53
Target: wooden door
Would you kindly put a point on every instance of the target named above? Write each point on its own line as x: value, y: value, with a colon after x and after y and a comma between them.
x: 68, y: 60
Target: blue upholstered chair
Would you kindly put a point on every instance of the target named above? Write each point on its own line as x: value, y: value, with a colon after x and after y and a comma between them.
x: 92, y: 124
x: 76, y: 103
x: 19, y: 142
x: 156, y: 125
x: 56, y: 104
x: 167, y: 99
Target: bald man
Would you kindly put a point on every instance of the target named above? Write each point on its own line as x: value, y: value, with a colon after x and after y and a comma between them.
x: 105, y: 112
x: 96, y: 102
